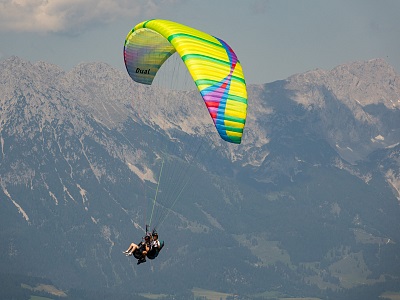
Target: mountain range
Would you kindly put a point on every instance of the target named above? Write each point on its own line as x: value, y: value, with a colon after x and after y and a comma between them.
x: 306, y: 206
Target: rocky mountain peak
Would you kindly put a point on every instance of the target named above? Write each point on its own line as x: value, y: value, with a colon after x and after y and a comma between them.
x: 364, y: 82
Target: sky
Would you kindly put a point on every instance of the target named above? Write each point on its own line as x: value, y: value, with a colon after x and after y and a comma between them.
x: 273, y: 39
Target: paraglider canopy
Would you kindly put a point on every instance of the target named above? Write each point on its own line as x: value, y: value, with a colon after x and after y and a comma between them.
x: 211, y: 62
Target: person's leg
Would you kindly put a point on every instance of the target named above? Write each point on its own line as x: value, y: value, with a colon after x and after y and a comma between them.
x: 132, y: 247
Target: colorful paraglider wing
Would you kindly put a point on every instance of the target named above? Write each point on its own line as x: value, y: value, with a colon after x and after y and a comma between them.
x: 213, y: 65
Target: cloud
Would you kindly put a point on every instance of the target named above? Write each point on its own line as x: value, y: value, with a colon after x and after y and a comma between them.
x: 72, y: 16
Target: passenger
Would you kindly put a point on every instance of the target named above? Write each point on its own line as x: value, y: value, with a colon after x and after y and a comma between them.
x: 143, y: 248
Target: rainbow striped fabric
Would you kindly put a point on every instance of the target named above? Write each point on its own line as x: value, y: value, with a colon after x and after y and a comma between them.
x: 212, y: 64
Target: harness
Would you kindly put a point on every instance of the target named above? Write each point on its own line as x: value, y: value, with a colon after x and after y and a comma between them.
x: 153, y: 253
